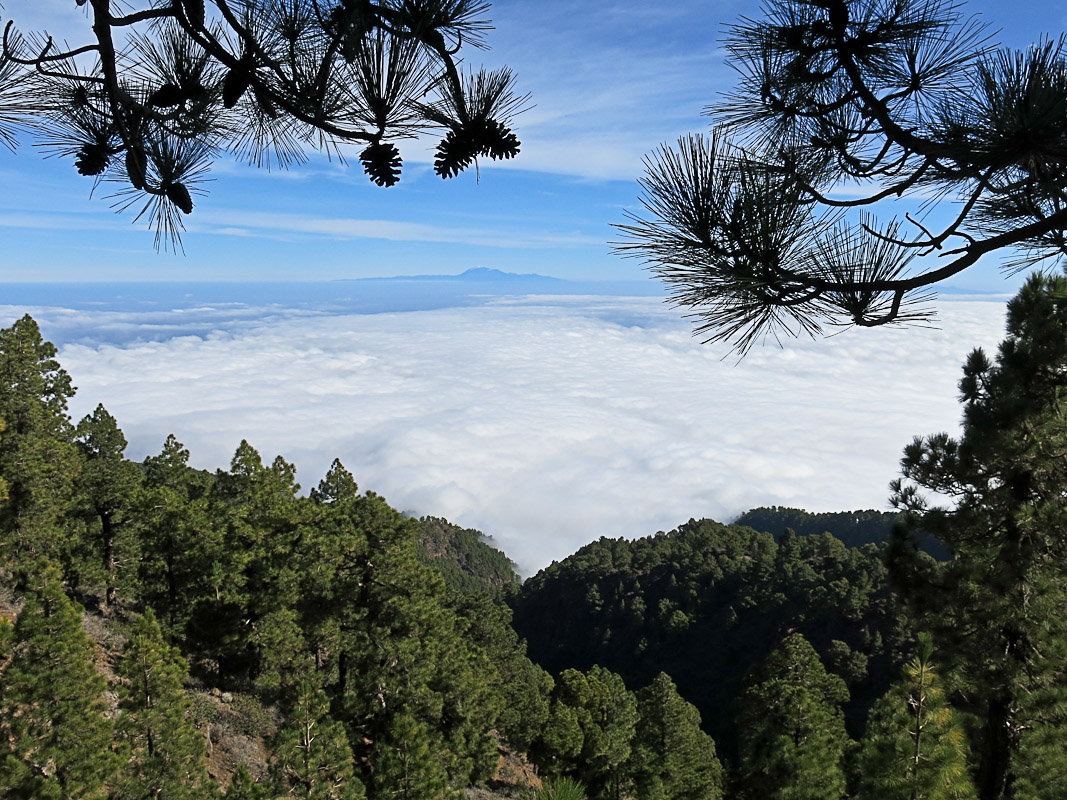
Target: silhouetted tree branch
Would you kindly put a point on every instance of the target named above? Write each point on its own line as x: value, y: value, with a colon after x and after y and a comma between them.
x: 882, y: 102
x: 162, y: 90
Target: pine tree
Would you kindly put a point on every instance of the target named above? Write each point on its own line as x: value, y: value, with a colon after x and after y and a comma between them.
x: 903, y: 101
x: 392, y: 648
x: 179, y: 539
x: 792, y: 736
x: 409, y: 763
x: 334, y: 558
x: 915, y: 747
x: 337, y: 486
x: 673, y: 759
x: 590, y: 731
x: 312, y: 759
x: 244, y: 787
x: 261, y: 79
x: 167, y: 752
x: 37, y: 455
x: 557, y: 748
x: 107, y: 491
x: 55, y: 741
x: 254, y: 565
x: 521, y: 687
x: 998, y: 608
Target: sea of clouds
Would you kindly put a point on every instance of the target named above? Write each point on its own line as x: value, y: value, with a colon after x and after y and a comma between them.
x: 545, y: 421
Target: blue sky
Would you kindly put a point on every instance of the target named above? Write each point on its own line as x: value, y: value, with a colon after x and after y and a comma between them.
x: 609, y: 81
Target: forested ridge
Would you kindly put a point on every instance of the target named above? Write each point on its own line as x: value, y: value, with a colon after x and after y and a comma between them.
x: 706, y: 603
x: 853, y: 528
x: 174, y: 632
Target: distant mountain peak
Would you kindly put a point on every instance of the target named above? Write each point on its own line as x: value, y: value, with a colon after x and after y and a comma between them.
x: 485, y: 272
x: 474, y: 274
x: 490, y: 274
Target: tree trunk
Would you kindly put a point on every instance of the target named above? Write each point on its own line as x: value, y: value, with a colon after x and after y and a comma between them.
x: 994, y: 768
x: 108, y: 531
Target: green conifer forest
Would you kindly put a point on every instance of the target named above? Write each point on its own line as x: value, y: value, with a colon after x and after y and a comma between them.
x: 171, y: 632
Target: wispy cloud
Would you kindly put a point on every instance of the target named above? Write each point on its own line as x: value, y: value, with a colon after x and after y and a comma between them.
x: 547, y: 422
x: 225, y: 221
x: 284, y: 226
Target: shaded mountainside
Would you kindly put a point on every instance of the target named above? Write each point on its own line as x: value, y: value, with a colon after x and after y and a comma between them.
x: 853, y: 528
x: 465, y: 558
x: 706, y: 603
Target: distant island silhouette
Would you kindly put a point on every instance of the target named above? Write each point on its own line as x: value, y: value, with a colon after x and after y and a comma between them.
x: 474, y: 274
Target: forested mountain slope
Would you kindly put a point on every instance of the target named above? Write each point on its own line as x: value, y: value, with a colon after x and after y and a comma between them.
x: 853, y: 528
x: 467, y: 559
x: 706, y: 603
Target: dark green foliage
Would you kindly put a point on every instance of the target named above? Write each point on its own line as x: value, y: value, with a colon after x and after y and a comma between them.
x: 999, y: 608
x: 312, y: 759
x: 327, y: 589
x: 792, y: 732
x: 466, y: 558
x: 244, y: 787
x: 521, y: 687
x: 55, y: 741
x: 253, y: 572
x: 562, y: 788
x: 394, y: 649
x: 179, y: 538
x: 589, y: 731
x: 672, y: 759
x: 38, y: 459
x: 853, y: 528
x: 386, y: 642
x: 167, y: 752
x: 337, y: 486
x: 705, y: 604
x: 915, y: 746
x: 409, y: 762
x: 107, y: 491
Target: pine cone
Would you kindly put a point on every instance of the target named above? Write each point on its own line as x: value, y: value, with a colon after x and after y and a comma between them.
x: 382, y: 162
x: 136, y: 167
x: 266, y: 105
x: 93, y: 158
x: 455, y: 153
x: 166, y: 95
x: 499, y: 142
x: 178, y: 194
x: 234, y: 85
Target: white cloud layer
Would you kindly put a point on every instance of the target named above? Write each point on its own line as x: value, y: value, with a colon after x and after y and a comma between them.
x: 546, y: 422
